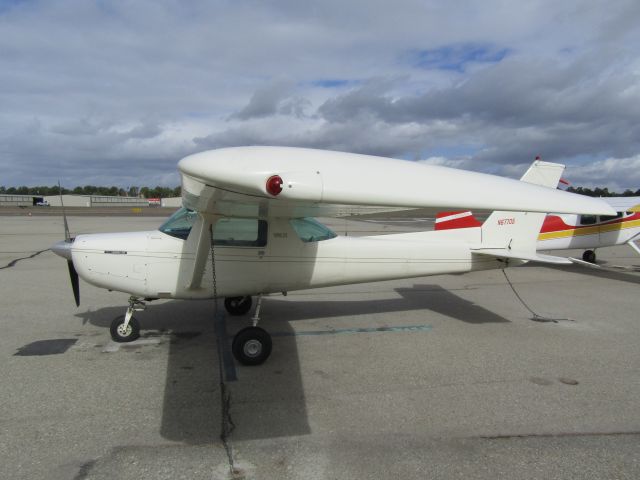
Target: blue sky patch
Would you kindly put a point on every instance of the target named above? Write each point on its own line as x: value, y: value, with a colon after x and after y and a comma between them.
x: 332, y: 83
x: 457, y: 57
x: 6, y: 5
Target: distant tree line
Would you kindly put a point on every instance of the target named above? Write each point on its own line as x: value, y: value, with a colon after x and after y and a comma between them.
x: 165, y: 192
x: 145, y: 192
x: 603, y: 192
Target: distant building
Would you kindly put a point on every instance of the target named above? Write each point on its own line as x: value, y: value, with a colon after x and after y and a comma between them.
x: 69, y: 200
x: 107, y: 201
x: 96, y: 201
x: 13, y: 200
x: 173, y: 202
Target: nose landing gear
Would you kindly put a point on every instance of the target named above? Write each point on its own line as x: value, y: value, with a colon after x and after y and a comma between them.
x: 126, y: 328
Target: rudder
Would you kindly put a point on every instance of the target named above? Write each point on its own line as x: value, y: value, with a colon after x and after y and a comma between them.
x: 518, y: 231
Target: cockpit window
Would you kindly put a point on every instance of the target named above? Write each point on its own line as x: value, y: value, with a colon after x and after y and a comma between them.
x: 588, y: 219
x: 310, y: 230
x: 240, y: 232
x: 237, y: 232
x: 180, y: 223
x: 606, y: 218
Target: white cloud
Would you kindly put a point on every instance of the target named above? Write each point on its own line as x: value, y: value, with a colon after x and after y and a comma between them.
x: 116, y: 92
x: 624, y: 171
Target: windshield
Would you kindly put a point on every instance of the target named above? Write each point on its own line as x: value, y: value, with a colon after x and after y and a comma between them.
x: 179, y: 224
x: 310, y: 230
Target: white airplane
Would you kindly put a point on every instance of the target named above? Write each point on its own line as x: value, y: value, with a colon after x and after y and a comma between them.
x: 246, y: 229
x: 565, y: 231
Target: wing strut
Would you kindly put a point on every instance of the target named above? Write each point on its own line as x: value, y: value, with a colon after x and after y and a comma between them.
x: 200, y: 232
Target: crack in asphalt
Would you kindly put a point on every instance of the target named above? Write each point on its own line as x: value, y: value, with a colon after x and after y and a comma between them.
x: 13, y: 262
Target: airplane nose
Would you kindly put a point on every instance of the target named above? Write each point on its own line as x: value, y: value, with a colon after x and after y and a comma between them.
x: 63, y: 249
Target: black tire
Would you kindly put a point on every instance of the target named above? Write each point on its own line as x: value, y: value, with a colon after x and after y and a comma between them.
x: 251, y: 346
x: 120, y: 335
x: 237, y: 305
x: 589, y: 256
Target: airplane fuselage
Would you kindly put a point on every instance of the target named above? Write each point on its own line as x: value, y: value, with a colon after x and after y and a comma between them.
x: 561, y: 232
x: 156, y: 265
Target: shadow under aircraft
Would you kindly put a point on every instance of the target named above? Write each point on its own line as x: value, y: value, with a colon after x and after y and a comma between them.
x: 268, y: 402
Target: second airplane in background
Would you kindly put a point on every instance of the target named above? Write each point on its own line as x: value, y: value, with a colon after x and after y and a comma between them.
x: 571, y: 231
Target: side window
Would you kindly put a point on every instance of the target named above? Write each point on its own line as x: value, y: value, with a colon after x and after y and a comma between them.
x: 587, y: 219
x: 240, y: 232
x: 606, y: 218
x: 310, y: 230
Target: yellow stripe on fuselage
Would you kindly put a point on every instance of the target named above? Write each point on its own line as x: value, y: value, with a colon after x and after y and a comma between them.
x: 594, y: 230
x: 612, y: 227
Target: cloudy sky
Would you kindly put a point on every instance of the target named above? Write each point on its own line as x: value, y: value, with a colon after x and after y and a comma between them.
x: 116, y: 92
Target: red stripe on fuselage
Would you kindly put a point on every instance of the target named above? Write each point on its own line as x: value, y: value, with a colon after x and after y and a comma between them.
x: 553, y: 223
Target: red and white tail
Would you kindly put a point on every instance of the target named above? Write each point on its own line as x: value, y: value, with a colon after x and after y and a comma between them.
x: 510, y: 234
x: 454, y: 220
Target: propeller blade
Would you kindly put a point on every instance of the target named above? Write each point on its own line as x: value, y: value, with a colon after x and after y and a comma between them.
x: 67, y: 235
x: 75, y: 284
x: 64, y: 250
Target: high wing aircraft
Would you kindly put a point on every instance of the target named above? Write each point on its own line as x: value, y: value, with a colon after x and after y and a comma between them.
x: 588, y: 232
x: 246, y: 228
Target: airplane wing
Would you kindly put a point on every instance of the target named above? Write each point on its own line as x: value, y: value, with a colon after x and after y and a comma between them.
x: 298, y: 182
x: 623, y: 204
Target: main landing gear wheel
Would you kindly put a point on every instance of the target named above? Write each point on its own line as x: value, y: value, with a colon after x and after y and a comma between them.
x: 120, y: 333
x: 251, y: 346
x: 237, y: 305
x: 589, y: 256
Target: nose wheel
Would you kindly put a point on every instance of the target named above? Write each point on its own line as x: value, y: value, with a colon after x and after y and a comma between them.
x: 124, y: 332
x: 126, y: 328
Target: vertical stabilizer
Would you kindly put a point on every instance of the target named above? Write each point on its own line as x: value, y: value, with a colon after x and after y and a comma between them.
x: 518, y: 231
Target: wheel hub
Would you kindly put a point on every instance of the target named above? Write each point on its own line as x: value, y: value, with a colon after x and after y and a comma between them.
x: 252, y: 348
x: 124, y: 331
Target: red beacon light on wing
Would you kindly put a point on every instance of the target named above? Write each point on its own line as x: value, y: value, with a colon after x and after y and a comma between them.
x: 274, y: 185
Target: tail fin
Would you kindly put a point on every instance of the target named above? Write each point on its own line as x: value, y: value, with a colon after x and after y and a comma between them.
x: 514, y: 234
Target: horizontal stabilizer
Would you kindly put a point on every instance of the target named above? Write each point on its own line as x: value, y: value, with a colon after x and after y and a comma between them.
x: 583, y: 263
x: 455, y: 220
x: 527, y: 256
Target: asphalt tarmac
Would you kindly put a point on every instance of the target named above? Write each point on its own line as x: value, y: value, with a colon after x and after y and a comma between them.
x: 435, y: 377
